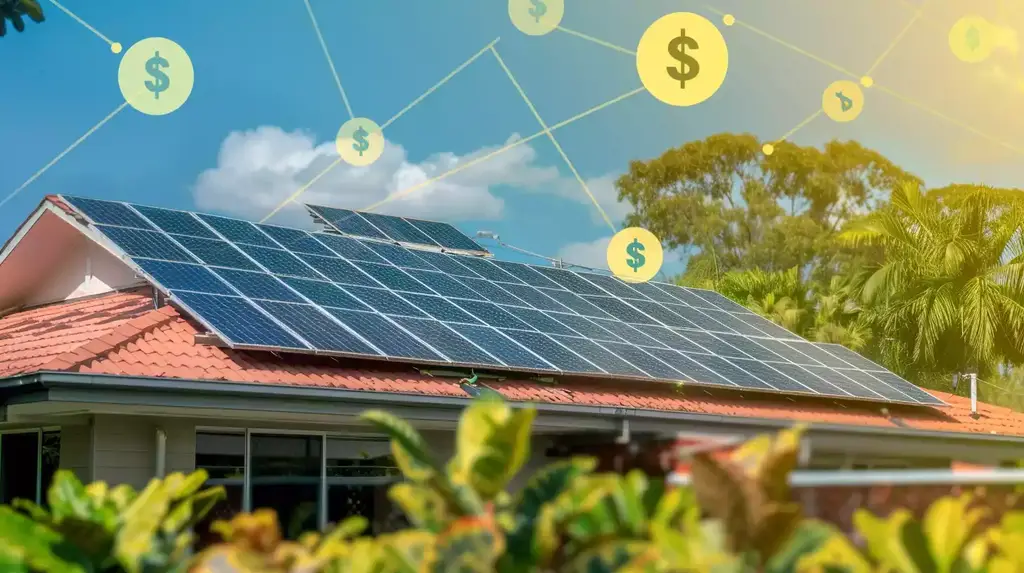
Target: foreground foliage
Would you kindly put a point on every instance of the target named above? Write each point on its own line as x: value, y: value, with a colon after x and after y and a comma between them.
x: 737, y: 517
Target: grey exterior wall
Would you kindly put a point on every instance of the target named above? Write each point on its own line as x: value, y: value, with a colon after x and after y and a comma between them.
x: 76, y: 450
x: 122, y: 449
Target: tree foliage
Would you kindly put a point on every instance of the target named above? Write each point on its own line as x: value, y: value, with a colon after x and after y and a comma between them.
x: 16, y: 11
x: 840, y: 245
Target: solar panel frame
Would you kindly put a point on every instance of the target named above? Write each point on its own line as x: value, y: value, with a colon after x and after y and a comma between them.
x: 447, y: 236
x: 772, y: 353
x: 346, y: 221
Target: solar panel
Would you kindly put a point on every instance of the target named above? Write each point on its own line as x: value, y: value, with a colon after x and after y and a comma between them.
x: 276, y: 288
x: 399, y: 229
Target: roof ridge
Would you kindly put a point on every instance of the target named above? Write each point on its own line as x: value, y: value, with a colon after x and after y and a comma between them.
x: 121, y: 335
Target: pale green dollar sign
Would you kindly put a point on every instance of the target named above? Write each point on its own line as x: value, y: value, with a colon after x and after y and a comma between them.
x: 361, y: 144
x: 162, y: 82
x: 688, y: 65
x: 538, y: 10
x: 973, y: 38
x: 635, y: 260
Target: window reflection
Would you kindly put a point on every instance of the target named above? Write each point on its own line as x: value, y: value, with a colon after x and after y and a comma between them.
x: 358, y: 476
x: 285, y: 476
x: 223, y: 458
x: 287, y: 472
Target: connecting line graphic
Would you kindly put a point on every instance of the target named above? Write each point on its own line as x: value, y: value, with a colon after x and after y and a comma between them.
x: 867, y: 75
x: 114, y: 46
x: 596, y: 40
x: 61, y: 155
x: 330, y: 62
x: 404, y: 110
x: 426, y: 183
x: 443, y: 81
x: 904, y: 98
x: 554, y: 141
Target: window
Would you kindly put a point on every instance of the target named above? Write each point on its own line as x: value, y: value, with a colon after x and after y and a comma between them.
x: 311, y: 480
x: 28, y: 460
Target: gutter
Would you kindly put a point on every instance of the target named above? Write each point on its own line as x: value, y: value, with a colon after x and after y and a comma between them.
x: 207, y: 388
x: 859, y: 478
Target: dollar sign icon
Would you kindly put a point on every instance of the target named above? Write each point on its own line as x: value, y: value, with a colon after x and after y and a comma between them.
x: 688, y: 66
x: 972, y: 38
x: 635, y: 260
x: 361, y: 144
x: 161, y: 81
x: 844, y: 101
x: 538, y: 10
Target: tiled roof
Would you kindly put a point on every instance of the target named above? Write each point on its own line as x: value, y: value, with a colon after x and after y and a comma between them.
x: 122, y: 334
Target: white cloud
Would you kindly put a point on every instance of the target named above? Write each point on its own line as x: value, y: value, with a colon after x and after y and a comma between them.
x: 260, y: 168
x: 604, y: 192
x: 588, y: 253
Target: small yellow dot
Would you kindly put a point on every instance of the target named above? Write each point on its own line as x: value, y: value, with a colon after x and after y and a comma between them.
x: 768, y: 149
x: 867, y: 81
x: 115, y: 47
x: 728, y: 19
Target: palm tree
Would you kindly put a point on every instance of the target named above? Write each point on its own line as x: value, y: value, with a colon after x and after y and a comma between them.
x: 779, y: 296
x: 15, y: 10
x: 949, y: 292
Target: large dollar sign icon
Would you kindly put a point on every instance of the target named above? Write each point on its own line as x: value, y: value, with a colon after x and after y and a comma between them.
x: 361, y: 143
x: 688, y: 65
x: 160, y: 80
x: 538, y: 10
x: 635, y: 260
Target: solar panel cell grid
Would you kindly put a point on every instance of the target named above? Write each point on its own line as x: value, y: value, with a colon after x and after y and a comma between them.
x: 238, y: 320
x: 502, y: 347
x: 455, y: 347
x: 348, y: 222
x: 574, y: 323
x: 148, y: 244
x: 108, y: 213
x: 398, y: 229
x: 216, y: 253
x: 181, y: 276
x: 176, y: 222
x: 258, y: 285
x: 446, y: 235
x: 554, y: 353
x: 238, y: 231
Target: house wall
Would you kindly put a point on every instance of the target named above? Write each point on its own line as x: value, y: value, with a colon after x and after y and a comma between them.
x: 122, y: 449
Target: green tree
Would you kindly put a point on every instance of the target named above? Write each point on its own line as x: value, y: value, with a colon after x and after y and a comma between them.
x: 15, y: 11
x: 949, y: 293
x: 728, y: 206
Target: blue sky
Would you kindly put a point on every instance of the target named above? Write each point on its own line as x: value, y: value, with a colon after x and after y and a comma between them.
x: 260, y: 74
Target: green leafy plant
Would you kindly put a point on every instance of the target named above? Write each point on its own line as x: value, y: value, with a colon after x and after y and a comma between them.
x: 97, y: 528
x: 737, y: 517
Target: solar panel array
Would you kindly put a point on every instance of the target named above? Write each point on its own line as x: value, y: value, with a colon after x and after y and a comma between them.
x: 274, y: 288
x: 399, y: 229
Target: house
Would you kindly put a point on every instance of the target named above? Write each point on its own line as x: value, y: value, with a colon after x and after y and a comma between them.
x: 102, y: 373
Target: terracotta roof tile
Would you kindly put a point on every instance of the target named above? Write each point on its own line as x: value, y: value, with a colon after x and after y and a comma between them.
x: 121, y: 334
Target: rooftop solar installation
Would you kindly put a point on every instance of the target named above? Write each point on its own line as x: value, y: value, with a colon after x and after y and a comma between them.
x: 403, y: 230
x: 264, y: 287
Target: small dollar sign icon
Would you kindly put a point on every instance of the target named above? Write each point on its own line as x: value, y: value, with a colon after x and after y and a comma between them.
x: 361, y: 144
x: 635, y: 260
x: 538, y: 10
x: 844, y: 101
x: 688, y: 66
x: 162, y: 82
x: 972, y: 38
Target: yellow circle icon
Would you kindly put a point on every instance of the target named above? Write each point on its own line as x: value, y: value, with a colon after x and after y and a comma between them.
x: 842, y: 101
x: 972, y: 39
x: 536, y: 17
x: 156, y: 76
x: 360, y: 141
x: 682, y: 59
x: 635, y: 255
